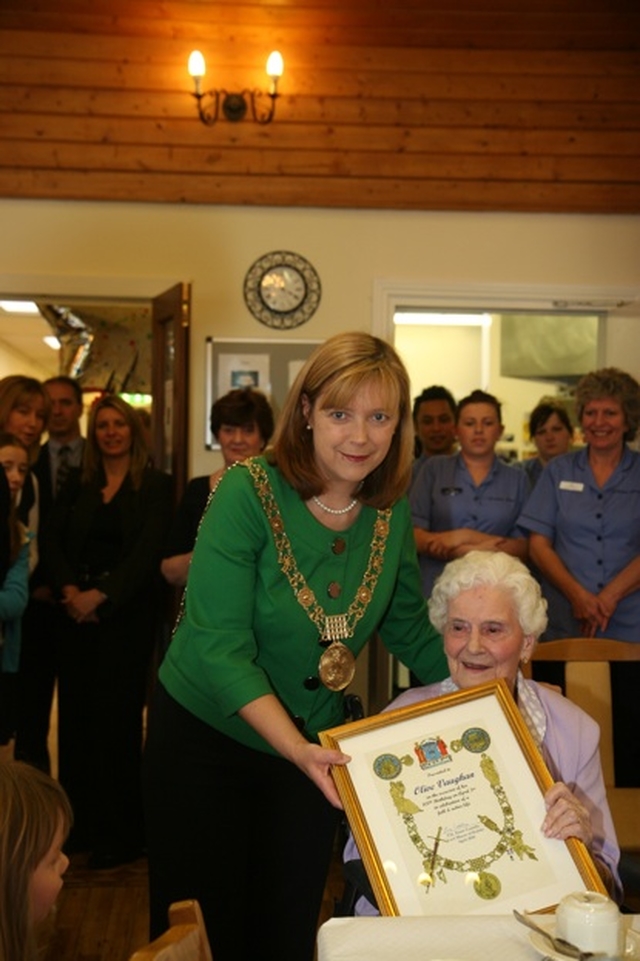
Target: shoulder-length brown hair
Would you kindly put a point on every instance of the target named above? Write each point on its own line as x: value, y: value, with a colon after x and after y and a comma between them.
x: 92, y: 460
x: 17, y: 389
x: 32, y: 808
x: 335, y: 372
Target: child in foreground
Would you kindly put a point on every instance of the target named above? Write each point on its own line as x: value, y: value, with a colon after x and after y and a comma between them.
x: 35, y: 817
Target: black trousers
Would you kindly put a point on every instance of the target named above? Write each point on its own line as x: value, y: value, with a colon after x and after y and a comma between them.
x: 245, y: 833
x: 38, y: 670
x: 9, y: 698
x: 103, y: 671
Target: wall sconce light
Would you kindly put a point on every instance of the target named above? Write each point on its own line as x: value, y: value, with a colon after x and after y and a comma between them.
x: 235, y: 105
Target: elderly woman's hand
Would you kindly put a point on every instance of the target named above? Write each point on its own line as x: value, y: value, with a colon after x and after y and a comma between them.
x: 566, y: 816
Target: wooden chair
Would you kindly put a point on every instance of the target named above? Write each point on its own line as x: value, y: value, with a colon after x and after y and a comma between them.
x: 185, y: 940
x: 587, y: 683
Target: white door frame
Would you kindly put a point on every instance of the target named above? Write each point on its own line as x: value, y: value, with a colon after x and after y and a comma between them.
x: 390, y: 295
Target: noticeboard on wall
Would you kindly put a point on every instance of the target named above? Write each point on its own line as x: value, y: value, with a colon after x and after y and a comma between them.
x: 270, y: 366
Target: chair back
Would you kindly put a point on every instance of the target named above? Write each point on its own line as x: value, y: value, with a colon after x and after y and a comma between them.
x: 588, y: 684
x: 185, y: 939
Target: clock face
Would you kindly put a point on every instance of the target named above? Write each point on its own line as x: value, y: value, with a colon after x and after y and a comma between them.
x: 282, y: 289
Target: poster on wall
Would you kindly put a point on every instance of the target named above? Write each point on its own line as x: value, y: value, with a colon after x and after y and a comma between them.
x: 265, y: 365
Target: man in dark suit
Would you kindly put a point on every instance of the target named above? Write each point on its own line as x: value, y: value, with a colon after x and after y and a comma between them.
x: 38, y: 662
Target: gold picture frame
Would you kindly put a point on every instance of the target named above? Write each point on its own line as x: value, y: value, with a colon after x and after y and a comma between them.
x: 445, y: 799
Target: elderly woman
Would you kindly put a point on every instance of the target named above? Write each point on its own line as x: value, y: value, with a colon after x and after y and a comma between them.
x: 490, y: 611
x: 584, y: 524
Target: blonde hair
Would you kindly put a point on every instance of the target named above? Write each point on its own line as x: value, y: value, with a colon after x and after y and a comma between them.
x: 32, y: 808
x: 17, y: 389
x: 92, y: 461
x: 335, y: 371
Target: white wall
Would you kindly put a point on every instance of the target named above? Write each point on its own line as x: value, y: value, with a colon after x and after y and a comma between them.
x: 120, y: 249
x: 449, y: 356
x: 15, y: 362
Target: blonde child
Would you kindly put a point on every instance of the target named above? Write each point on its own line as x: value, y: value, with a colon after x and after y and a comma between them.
x: 14, y: 592
x: 35, y: 817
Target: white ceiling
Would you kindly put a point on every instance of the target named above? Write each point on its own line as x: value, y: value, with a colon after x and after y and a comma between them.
x: 23, y: 333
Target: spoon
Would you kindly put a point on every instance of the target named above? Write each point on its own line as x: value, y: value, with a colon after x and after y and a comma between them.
x: 558, y: 944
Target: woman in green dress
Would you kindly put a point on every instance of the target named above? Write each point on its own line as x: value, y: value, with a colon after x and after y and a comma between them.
x: 301, y: 557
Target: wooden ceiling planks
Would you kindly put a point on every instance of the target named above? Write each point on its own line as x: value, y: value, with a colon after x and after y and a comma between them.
x: 481, y: 105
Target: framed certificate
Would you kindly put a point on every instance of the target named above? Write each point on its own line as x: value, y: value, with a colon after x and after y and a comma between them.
x: 445, y: 801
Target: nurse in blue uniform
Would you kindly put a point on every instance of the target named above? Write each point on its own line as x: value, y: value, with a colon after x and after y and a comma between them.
x: 470, y: 500
x: 584, y: 524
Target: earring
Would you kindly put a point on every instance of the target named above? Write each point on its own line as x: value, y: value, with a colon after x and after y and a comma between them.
x: 308, y: 426
x: 524, y: 660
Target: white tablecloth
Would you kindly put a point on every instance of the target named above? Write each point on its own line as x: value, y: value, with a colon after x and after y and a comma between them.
x: 471, y: 938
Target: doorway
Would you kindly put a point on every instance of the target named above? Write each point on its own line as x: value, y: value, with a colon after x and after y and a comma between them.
x: 134, y: 346
x: 618, y: 313
x: 517, y: 356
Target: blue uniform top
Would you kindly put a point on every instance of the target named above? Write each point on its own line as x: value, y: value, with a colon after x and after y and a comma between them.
x: 444, y: 497
x: 532, y: 467
x: 595, y: 531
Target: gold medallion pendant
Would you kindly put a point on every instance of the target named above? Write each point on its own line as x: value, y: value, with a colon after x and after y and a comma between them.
x: 337, y: 666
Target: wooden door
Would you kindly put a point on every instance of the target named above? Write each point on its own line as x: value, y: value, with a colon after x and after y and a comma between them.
x: 171, y: 316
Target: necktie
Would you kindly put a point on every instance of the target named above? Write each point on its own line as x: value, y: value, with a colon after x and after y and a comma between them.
x: 64, y: 466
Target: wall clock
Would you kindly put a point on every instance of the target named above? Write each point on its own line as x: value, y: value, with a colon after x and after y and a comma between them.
x: 282, y: 289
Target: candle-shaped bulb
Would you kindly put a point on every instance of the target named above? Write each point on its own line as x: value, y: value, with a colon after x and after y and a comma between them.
x: 275, y: 67
x: 197, y: 69
x: 197, y: 66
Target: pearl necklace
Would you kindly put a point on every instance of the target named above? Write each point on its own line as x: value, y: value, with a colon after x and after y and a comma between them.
x: 332, y: 510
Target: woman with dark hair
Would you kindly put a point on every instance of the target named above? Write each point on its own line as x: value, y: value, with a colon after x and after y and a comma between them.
x: 434, y: 421
x: 551, y: 431
x: 101, y: 550
x: 302, y: 556
x: 470, y: 500
x: 242, y: 423
x: 583, y: 520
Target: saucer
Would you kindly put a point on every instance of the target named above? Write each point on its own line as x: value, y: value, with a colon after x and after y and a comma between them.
x: 542, y: 946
